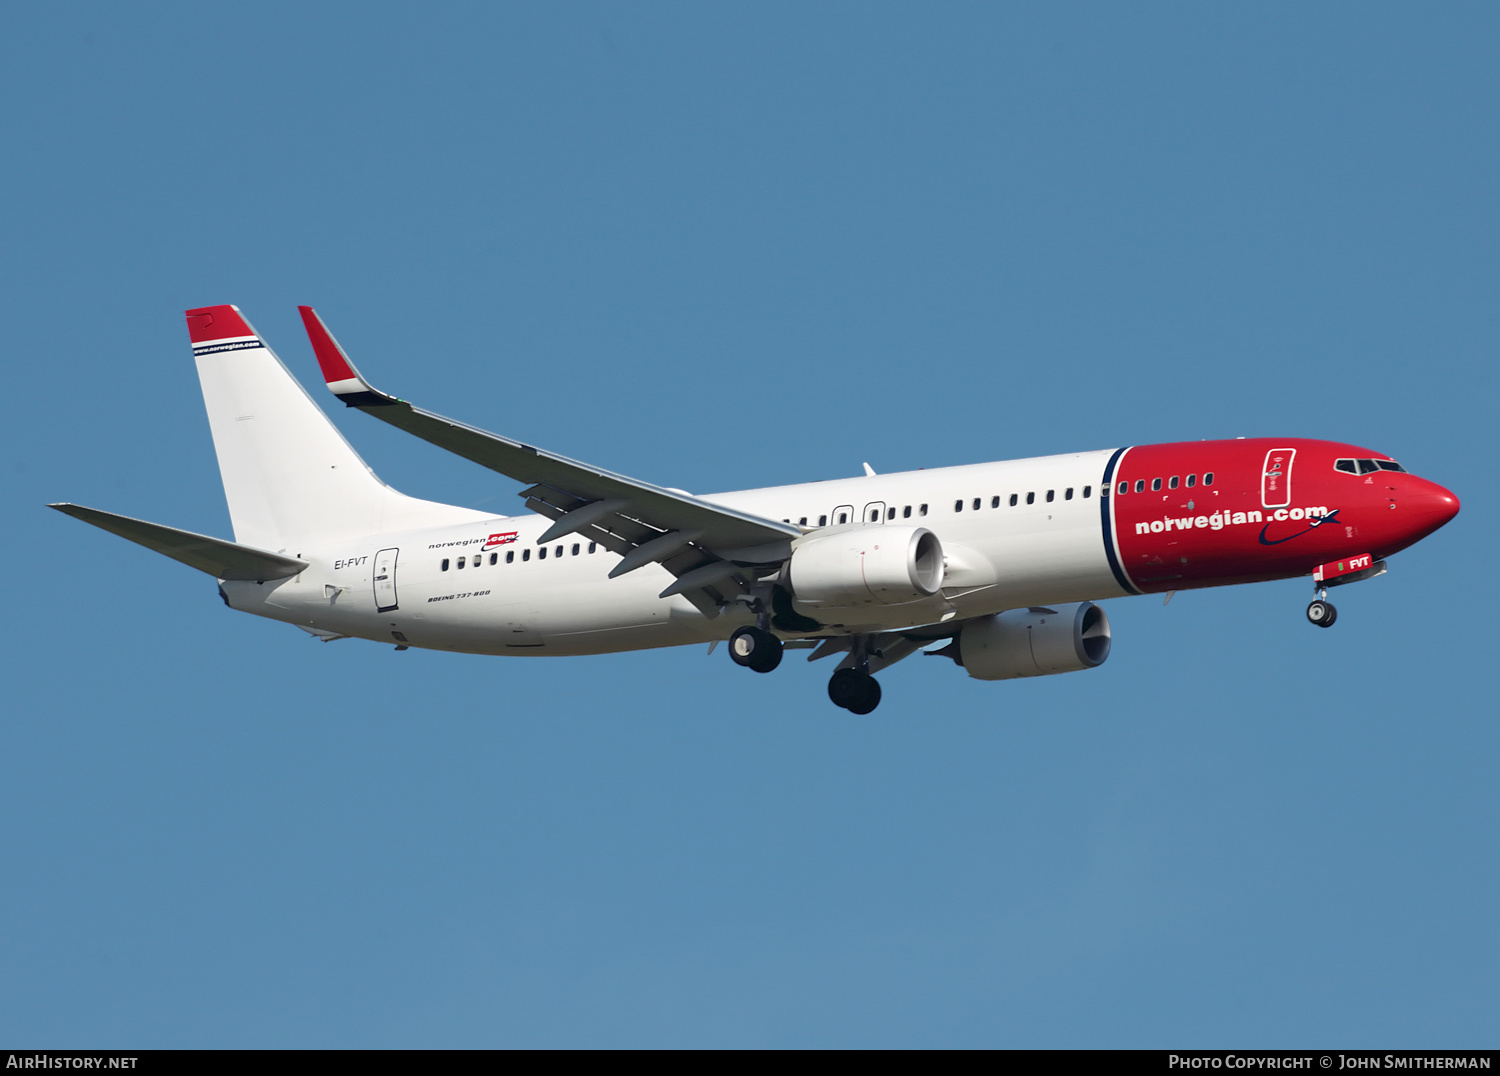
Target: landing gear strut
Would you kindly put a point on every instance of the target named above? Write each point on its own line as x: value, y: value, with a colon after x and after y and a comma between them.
x: 755, y: 648
x: 1321, y: 612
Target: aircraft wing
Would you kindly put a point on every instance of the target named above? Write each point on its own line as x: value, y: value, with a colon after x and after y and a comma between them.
x: 220, y: 559
x: 695, y: 540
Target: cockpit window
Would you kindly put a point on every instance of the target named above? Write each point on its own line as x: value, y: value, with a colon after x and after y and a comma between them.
x: 1367, y: 466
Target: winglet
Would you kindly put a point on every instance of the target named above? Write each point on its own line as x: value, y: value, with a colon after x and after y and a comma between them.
x: 343, y: 379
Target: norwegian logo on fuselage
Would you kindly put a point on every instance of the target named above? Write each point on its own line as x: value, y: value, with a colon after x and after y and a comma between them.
x: 500, y: 539
x: 1309, y: 519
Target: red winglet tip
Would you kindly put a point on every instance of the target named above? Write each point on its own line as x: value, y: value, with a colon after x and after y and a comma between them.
x: 216, y: 323
x: 331, y: 359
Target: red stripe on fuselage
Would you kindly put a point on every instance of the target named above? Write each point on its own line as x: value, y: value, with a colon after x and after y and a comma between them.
x: 1244, y: 527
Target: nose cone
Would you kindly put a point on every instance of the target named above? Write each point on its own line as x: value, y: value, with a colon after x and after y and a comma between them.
x: 1428, y: 507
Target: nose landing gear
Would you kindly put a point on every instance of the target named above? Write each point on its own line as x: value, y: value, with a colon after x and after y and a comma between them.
x: 1321, y: 612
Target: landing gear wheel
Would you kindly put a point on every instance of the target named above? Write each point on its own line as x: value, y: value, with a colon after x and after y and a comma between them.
x: 1322, y: 613
x: 755, y: 649
x: 855, y: 691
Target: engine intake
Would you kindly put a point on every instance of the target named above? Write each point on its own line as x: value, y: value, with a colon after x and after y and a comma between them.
x: 880, y: 565
x: 1034, y: 642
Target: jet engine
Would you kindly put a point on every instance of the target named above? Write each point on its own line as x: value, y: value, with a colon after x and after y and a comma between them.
x: 1034, y: 642
x: 861, y: 566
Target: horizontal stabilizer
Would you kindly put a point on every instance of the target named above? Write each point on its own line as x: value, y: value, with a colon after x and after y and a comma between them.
x: 220, y: 559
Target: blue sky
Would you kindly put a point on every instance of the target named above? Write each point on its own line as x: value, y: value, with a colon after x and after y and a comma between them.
x: 721, y: 247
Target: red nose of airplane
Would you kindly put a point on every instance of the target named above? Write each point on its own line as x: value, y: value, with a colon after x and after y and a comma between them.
x: 1427, y: 507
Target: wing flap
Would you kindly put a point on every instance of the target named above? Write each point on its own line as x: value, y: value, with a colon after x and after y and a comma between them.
x: 220, y: 559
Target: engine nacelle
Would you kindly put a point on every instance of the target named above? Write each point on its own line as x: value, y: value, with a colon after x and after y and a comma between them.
x: 885, y: 564
x: 1035, y: 642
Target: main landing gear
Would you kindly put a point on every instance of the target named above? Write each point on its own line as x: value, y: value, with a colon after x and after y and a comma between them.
x: 755, y: 648
x: 855, y: 690
x: 1321, y: 612
x: 852, y: 688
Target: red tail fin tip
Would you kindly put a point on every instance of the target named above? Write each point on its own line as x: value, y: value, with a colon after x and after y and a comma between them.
x: 216, y: 323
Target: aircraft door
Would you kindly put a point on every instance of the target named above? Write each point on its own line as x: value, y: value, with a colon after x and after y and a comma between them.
x: 844, y: 513
x: 385, y: 580
x: 874, y: 512
x: 1276, y: 478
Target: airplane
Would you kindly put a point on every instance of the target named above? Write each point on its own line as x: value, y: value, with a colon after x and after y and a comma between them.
x: 1001, y: 563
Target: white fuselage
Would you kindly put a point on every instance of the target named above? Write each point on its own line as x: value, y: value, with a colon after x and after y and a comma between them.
x: 999, y: 556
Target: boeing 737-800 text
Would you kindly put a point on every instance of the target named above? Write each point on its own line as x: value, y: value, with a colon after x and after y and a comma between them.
x: 1003, y: 562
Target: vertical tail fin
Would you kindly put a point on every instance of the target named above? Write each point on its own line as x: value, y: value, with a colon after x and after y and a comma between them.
x: 288, y: 473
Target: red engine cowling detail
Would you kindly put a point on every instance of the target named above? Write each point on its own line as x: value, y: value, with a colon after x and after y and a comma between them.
x: 861, y: 566
x: 1035, y: 642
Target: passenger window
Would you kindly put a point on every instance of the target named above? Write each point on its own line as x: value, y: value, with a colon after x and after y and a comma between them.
x: 906, y: 512
x: 557, y: 552
x: 802, y: 521
x: 575, y: 549
x: 494, y: 558
x: 874, y: 515
x: 541, y: 554
x: 1014, y: 497
x: 1172, y: 484
x: 1124, y: 488
x: 843, y: 517
x: 593, y: 546
x: 994, y: 502
x: 510, y: 556
x: 958, y: 506
x: 1050, y: 494
x: 822, y: 521
x: 1156, y: 483
x: 1031, y: 498
x: 1346, y: 466
x: 976, y: 504
x: 1192, y: 481
x: 460, y: 563
x: 1208, y: 479
x: 890, y: 513
x: 1390, y: 465
x: 526, y: 554
x: 1068, y: 494
x: 445, y: 564
x: 1140, y: 485
x: 922, y: 510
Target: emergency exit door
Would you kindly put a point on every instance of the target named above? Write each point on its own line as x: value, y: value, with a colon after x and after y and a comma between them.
x: 1276, y: 478
x: 385, y: 580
